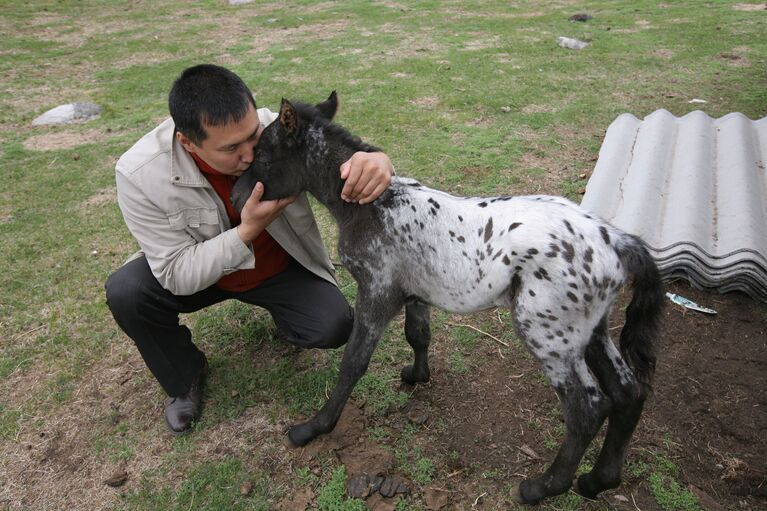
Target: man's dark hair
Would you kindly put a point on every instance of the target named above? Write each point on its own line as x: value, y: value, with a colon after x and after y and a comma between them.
x: 207, y: 95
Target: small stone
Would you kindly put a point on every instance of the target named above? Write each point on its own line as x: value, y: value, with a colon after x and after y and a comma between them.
x: 75, y: 156
x: 394, y: 485
x: 529, y: 452
x: 69, y: 114
x: 235, y: 393
x: 357, y: 487
x: 621, y: 498
x: 581, y: 16
x: 239, y: 2
x: 363, y: 486
x: 570, y: 43
x: 506, y: 109
x: 417, y: 416
x: 246, y: 488
x: 117, y: 479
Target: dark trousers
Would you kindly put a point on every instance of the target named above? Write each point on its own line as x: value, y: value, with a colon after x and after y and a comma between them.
x: 309, y: 312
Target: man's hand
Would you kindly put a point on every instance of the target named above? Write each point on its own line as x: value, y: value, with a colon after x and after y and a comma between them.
x: 367, y: 175
x: 257, y: 214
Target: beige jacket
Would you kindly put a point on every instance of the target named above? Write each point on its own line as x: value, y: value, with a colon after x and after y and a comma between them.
x: 181, y: 224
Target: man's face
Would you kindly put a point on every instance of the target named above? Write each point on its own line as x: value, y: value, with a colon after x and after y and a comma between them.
x: 228, y: 148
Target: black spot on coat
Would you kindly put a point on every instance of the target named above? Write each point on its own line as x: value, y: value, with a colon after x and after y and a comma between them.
x: 488, y: 229
x: 605, y: 235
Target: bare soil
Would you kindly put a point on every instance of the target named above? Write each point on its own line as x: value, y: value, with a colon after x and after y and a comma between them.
x: 484, y: 429
x: 498, y: 423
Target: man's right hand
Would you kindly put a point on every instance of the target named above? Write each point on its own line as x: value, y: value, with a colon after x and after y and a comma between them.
x: 257, y: 214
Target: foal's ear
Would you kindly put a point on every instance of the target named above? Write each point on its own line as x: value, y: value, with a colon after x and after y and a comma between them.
x: 288, y: 117
x: 329, y: 107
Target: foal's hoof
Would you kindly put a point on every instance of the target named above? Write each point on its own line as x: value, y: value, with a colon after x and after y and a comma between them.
x: 589, y: 486
x: 581, y: 489
x: 301, y: 434
x: 524, y: 495
x: 410, y: 376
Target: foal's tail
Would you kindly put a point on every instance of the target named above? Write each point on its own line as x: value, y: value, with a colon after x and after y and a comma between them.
x: 637, y: 340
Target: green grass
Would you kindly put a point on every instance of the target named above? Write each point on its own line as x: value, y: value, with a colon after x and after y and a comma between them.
x: 471, y: 98
x: 207, y: 486
x: 665, y: 487
x: 332, y: 495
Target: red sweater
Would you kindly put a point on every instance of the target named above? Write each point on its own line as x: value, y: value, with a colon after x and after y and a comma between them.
x: 271, y: 258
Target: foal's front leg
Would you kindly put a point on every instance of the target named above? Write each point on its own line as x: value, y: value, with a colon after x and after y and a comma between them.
x: 372, y: 314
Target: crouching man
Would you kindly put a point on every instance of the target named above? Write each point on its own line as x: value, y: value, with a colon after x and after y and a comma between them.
x: 173, y: 188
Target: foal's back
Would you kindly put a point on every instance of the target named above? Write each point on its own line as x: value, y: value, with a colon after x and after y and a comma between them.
x: 467, y: 254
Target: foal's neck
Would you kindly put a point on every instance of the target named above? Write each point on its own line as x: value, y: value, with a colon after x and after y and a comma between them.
x: 327, y: 184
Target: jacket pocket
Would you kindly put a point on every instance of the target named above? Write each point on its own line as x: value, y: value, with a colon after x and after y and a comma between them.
x: 200, y: 223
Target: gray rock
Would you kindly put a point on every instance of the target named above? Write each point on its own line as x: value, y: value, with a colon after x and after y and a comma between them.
x: 393, y: 485
x: 580, y: 17
x: 69, y: 114
x: 239, y: 2
x: 573, y: 44
x: 363, y: 486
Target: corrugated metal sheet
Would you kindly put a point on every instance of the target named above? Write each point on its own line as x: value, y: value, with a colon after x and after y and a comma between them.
x: 695, y: 189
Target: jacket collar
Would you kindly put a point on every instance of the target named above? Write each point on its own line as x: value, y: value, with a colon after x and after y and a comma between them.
x: 183, y: 169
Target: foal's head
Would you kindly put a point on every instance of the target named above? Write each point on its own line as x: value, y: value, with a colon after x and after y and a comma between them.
x: 286, y: 150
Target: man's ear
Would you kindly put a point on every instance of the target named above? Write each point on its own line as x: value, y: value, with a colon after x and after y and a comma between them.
x: 329, y: 107
x: 288, y: 117
x: 185, y: 142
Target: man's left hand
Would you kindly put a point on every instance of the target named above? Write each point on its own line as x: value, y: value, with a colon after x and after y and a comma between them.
x: 367, y: 175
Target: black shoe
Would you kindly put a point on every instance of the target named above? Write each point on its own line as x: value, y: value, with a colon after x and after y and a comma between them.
x: 182, y: 410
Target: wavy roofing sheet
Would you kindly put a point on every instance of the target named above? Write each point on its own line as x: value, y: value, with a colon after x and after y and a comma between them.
x: 695, y: 189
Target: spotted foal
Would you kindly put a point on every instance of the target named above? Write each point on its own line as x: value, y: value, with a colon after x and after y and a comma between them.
x: 555, y: 266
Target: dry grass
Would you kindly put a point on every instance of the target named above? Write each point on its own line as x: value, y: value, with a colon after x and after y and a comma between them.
x: 64, y: 139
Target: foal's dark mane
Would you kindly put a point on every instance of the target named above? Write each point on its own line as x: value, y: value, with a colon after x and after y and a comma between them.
x: 312, y: 115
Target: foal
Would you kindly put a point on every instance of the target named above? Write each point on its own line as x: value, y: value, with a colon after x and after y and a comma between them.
x: 555, y: 266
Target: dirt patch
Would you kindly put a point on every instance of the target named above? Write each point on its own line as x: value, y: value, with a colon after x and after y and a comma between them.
x: 737, y: 57
x: 481, y: 43
x: 63, y: 140
x: 538, y: 109
x: 484, y: 428
x: 101, y: 198
x: 709, y: 395
x: 411, y: 44
x: 56, y: 459
x: 750, y: 7
x: 425, y: 102
x: 663, y: 53
x: 502, y: 423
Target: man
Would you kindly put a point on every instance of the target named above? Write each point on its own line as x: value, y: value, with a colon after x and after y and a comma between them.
x: 173, y: 188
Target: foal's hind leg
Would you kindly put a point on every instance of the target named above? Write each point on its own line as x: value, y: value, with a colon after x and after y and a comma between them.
x: 584, y: 408
x: 627, y: 397
x: 418, y: 335
x: 559, y: 342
